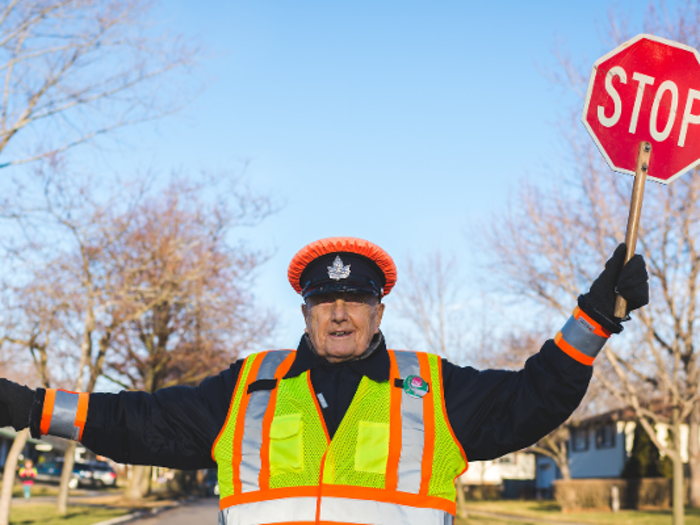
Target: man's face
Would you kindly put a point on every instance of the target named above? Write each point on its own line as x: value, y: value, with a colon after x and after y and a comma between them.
x: 341, y: 325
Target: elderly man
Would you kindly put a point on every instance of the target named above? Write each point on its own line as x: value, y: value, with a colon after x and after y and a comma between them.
x: 342, y: 430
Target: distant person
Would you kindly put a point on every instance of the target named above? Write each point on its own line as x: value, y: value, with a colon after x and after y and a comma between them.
x: 27, y: 474
x: 342, y: 430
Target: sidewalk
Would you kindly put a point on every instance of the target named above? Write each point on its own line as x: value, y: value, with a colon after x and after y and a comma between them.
x: 521, y: 519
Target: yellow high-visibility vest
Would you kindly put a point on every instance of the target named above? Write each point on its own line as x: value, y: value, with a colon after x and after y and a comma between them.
x: 393, y: 459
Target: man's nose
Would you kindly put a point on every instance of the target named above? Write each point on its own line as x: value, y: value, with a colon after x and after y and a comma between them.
x: 340, y: 311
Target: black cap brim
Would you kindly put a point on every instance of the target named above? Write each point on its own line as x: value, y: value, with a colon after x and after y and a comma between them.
x: 344, y: 287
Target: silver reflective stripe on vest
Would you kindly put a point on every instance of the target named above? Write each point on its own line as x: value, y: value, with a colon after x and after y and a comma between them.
x: 342, y: 510
x: 579, y: 334
x: 412, y: 428
x: 65, y: 408
x: 251, y: 444
x: 273, y: 511
x: 336, y: 510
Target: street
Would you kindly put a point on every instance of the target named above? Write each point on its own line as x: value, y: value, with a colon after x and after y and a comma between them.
x: 201, y: 512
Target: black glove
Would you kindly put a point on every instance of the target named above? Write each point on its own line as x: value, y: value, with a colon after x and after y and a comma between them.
x: 629, y: 280
x: 15, y: 404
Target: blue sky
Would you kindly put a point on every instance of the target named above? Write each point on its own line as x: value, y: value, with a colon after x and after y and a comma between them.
x: 399, y: 122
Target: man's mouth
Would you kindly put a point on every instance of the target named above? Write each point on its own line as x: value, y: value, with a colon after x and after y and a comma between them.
x: 340, y: 333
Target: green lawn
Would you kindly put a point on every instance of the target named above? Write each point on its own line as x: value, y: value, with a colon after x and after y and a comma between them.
x: 45, y: 514
x: 543, y: 511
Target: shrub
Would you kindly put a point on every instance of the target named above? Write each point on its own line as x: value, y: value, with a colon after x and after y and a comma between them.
x: 580, y: 494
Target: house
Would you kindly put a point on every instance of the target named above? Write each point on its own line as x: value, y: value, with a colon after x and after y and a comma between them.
x: 599, y: 447
x: 514, y: 473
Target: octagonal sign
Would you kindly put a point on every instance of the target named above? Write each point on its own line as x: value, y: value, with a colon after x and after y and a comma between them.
x: 648, y: 89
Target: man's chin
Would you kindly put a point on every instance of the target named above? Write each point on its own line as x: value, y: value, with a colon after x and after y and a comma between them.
x: 338, y: 355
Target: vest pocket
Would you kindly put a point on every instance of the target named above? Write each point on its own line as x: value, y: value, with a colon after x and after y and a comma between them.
x: 286, y: 447
x: 372, y: 450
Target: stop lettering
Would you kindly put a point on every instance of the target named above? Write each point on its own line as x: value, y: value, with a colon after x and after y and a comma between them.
x: 648, y: 89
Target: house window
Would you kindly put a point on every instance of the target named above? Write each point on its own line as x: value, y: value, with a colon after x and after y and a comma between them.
x: 579, y: 439
x: 605, y: 436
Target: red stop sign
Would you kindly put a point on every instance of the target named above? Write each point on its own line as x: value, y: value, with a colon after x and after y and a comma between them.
x: 648, y: 89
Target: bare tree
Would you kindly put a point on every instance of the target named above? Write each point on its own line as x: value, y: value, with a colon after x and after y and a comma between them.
x: 73, y: 70
x: 117, y: 261
x: 433, y: 307
x: 186, y: 291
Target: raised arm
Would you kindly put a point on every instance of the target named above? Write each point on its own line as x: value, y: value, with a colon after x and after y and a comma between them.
x: 494, y: 412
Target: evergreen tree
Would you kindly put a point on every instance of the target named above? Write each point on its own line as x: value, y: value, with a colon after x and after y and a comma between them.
x: 645, y: 460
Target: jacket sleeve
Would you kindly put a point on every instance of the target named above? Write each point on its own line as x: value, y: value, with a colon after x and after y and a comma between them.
x: 494, y: 412
x: 174, y: 427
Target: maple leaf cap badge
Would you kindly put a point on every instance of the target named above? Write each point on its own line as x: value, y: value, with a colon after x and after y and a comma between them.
x: 338, y: 271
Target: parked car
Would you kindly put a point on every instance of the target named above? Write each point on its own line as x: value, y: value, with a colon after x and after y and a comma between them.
x: 94, y: 474
x: 103, y: 474
x: 50, y: 472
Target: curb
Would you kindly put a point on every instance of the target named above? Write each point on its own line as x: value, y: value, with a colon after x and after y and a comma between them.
x: 138, y: 515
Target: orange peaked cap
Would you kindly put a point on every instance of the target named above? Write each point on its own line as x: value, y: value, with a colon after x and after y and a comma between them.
x: 322, y: 247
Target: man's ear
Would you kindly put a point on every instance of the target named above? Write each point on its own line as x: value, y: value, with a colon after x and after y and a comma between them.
x: 304, y: 311
x: 380, y: 314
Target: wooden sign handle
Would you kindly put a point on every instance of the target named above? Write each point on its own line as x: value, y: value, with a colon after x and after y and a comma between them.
x: 640, y: 177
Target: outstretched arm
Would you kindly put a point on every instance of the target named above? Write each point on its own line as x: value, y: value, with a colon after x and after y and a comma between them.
x: 173, y: 427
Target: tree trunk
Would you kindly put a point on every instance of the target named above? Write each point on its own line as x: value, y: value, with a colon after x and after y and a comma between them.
x: 694, y: 456
x: 678, y: 495
x: 562, y: 460
x: 66, y: 476
x: 8, y: 475
x: 678, y: 485
x: 461, y: 509
x: 140, y: 483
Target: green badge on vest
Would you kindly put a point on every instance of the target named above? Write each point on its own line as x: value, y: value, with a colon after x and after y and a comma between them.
x: 415, y: 386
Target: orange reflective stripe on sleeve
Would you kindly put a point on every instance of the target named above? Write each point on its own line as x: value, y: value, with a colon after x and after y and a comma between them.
x: 64, y: 413
x: 81, y: 414
x: 581, y: 337
x: 572, y: 352
x: 49, y: 399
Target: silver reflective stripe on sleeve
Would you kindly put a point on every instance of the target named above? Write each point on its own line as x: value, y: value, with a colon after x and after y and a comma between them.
x: 344, y: 510
x: 287, y: 510
x: 251, y: 444
x: 412, y: 428
x: 65, y: 408
x: 579, y: 334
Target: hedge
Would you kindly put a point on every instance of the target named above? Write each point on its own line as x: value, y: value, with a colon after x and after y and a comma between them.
x: 587, y: 494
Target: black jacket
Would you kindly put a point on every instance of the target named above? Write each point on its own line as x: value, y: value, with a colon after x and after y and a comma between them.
x: 492, y: 412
